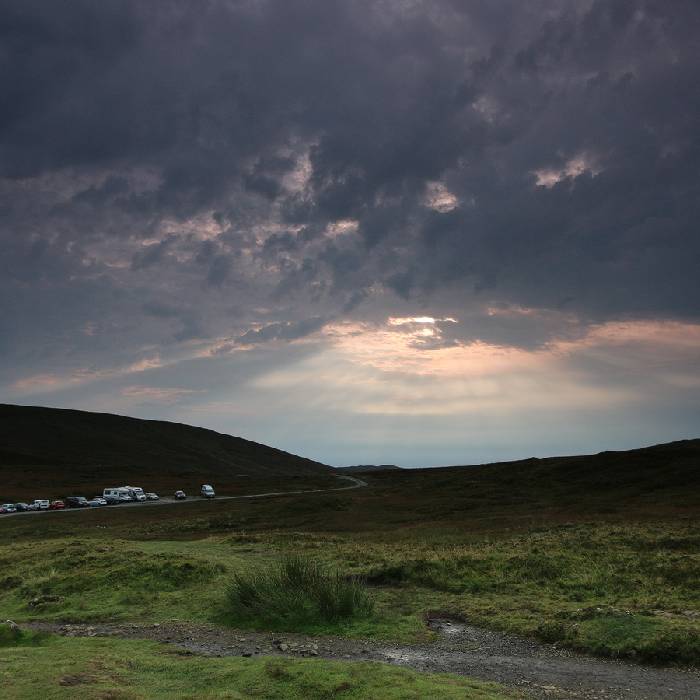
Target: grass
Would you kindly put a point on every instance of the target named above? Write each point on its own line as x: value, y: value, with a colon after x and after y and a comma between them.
x: 66, y: 668
x: 296, y: 593
x: 614, y: 590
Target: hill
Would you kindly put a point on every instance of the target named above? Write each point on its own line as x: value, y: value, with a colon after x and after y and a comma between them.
x: 58, y: 451
x: 365, y: 468
x: 652, y: 482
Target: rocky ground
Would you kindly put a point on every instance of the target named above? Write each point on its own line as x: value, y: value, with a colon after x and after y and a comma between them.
x: 535, y: 670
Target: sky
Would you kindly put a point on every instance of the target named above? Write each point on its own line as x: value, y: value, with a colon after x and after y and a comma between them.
x: 379, y: 231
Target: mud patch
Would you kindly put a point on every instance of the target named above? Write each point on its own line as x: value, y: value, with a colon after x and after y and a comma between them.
x: 76, y: 679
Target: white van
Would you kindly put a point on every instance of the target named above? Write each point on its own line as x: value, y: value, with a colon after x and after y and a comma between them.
x: 207, y: 491
x: 136, y: 492
x: 41, y: 504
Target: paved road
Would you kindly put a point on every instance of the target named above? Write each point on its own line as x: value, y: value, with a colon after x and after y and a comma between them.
x: 355, y: 484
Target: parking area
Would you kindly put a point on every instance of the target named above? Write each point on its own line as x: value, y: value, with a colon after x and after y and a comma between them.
x: 354, y: 483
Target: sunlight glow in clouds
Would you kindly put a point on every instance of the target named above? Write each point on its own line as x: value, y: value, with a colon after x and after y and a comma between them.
x: 385, y: 371
x: 578, y: 165
x: 439, y: 198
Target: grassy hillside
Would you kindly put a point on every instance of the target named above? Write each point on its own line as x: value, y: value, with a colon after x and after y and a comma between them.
x: 59, y: 451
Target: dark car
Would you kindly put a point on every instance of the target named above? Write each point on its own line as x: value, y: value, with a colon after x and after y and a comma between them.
x: 21, y: 507
x: 77, y: 502
x: 180, y: 495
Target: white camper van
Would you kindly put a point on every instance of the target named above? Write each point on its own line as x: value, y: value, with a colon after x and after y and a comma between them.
x: 117, y: 494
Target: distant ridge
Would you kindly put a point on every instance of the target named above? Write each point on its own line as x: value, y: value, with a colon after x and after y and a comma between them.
x: 360, y: 468
x: 61, y: 449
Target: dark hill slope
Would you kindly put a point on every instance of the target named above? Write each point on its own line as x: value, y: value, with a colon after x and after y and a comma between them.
x: 365, y: 468
x: 60, y: 450
x: 658, y: 481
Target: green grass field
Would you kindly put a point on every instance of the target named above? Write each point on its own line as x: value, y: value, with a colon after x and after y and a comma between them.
x: 608, y: 589
x: 109, y: 669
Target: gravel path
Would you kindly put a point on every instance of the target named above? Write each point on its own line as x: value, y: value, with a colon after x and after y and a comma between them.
x: 535, y: 670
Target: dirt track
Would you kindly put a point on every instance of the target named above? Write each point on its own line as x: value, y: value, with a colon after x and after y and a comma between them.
x: 534, y: 670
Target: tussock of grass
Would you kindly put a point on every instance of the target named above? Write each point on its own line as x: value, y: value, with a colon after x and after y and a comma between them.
x: 15, y: 637
x: 297, y: 591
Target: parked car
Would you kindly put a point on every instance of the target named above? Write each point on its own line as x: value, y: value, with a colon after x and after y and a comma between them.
x: 152, y: 496
x: 180, y: 495
x: 207, y: 491
x: 21, y: 507
x: 57, y: 505
x: 97, y: 502
x: 77, y: 502
x: 100, y: 500
x: 42, y: 503
x: 8, y: 508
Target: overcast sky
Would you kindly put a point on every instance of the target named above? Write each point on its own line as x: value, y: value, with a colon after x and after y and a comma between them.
x: 400, y: 231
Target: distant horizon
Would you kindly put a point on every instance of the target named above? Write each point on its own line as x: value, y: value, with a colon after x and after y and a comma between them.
x: 476, y: 461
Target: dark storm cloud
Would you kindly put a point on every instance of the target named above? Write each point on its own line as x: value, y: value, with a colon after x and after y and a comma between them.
x: 202, y: 157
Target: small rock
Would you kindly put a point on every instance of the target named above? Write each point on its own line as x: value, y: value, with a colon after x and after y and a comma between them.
x: 43, y: 600
x: 282, y: 646
x: 247, y: 654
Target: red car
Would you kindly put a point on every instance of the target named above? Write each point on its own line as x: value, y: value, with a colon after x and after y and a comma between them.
x: 57, y: 505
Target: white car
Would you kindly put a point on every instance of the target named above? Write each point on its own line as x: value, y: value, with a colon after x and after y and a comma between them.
x: 8, y: 508
x: 150, y: 496
x: 42, y: 503
x: 207, y: 491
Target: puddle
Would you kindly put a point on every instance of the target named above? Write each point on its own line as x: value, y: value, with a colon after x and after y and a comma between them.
x: 447, y: 626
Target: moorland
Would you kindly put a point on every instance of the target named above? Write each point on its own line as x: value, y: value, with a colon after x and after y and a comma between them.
x: 595, y: 554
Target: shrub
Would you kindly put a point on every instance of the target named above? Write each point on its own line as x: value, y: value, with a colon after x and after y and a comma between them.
x: 297, y: 591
